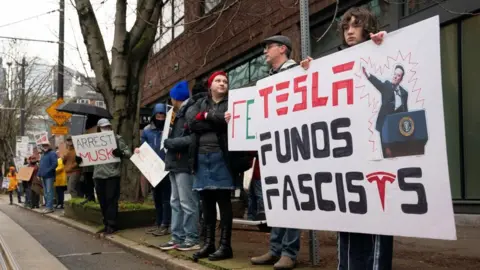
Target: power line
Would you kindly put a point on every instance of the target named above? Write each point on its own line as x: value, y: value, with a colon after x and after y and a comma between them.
x: 29, y: 18
x: 30, y: 39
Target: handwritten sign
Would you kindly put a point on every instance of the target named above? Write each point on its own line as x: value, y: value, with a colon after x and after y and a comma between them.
x: 149, y: 164
x: 41, y: 138
x: 95, y: 148
x: 320, y: 132
x: 5, y: 182
x: 242, y: 135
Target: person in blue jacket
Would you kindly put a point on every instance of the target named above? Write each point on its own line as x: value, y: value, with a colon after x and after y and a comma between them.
x: 46, y: 171
x: 152, y: 134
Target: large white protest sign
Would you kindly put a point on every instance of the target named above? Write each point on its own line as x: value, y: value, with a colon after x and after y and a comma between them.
x: 41, y: 138
x: 241, y: 131
x: 328, y: 163
x: 95, y: 148
x: 5, y: 182
x: 149, y: 164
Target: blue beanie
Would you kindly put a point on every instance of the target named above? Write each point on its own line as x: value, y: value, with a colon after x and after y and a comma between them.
x: 180, y: 91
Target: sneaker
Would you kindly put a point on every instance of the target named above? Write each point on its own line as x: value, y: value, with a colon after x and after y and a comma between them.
x: 151, y: 230
x: 110, y: 230
x: 265, y: 259
x: 47, y: 211
x: 169, y: 245
x: 187, y: 247
x: 161, y: 231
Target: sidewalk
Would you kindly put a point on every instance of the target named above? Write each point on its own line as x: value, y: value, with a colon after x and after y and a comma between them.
x: 409, y: 253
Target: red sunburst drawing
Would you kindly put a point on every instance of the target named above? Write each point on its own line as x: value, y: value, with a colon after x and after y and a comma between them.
x: 384, y: 68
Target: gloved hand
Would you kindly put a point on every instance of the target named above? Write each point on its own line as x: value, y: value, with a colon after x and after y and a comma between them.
x: 117, y: 153
x: 167, y: 144
x: 201, y: 116
x: 78, y: 159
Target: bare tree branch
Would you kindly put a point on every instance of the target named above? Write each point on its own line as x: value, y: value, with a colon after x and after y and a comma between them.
x: 144, y: 12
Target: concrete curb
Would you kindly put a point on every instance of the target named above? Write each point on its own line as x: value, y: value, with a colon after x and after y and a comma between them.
x: 149, y: 253
x: 6, y: 254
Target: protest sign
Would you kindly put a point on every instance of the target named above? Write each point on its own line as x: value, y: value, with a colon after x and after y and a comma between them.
x: 166, y: 127
x: 149, y: 164
x: 41, y: 138
x: 241, y: 131
x: 95, y: 148
x: 357, y: 142
x: 5, y: 182
x: 25, y: 173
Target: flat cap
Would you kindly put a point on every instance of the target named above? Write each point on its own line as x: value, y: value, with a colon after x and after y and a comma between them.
x: 280, y: 40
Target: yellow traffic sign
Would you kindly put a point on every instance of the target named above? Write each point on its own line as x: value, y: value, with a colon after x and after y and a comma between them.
x: 58, y: 117
x: 59, y: 130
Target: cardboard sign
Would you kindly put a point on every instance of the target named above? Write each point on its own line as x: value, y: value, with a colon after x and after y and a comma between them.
x: 25, y: 173
x: 95, y: 148
x: 41, y: 138
x: 149, y: 164
x: 357, y: 142
x: 242, y: 135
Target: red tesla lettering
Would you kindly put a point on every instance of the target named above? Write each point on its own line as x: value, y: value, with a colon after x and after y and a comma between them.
x: 264, y: 93
x: 282, y: 97
x: 300, y: 89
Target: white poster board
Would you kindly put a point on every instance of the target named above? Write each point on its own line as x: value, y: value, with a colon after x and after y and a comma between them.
x: 241, y: 131
x: 5, y: 182
x: 41, y: 138
x: 95, y: 148
x: 149, y: 164
x: 320, y: 150
x: 166, y: 127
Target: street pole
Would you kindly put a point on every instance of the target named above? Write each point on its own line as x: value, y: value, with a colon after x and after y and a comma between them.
x: 305, y: 44
x: 22, y: 98
x: 61, y: 50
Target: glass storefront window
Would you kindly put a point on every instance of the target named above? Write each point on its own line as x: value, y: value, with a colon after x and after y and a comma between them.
x: 238, y: 76
x: 248, y: 73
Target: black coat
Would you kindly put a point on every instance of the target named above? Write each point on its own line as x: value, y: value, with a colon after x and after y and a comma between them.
x: 388, y: 100
x: 179, y: 140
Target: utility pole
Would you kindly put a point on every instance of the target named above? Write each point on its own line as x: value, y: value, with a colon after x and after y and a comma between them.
x: 61, y: 50
x: 305, y: 43
x: 22, y: 98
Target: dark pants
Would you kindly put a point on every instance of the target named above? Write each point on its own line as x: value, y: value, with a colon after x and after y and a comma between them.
x: 255, y: 199
x: 60, y: 194
x: 88, y: 186
x: 210, y: 198
x: 27, y: 188
x: 35, y: 197
x: 161, y: 197
x: 108, y: 193
x: 10, y: 194
x: 358, y: 251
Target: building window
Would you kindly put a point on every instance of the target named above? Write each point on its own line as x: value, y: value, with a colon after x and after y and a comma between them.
x: 208, y: 5
x: 247, y: 73
x: 100, y: 103
x: 83, y: 101
x: 332, y: 39
x: 412, y: 6
x: 171, y: 23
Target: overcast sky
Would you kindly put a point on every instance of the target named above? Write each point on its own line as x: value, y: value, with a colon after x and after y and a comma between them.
x: 46, y: 28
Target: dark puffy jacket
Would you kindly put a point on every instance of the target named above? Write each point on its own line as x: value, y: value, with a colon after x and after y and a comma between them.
x: 179, y: 140
x: 48, y: 165
x: 237, y: 162
x: 153, y: 135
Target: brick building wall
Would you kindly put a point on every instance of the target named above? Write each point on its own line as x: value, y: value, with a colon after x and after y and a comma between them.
x: 221, y: 37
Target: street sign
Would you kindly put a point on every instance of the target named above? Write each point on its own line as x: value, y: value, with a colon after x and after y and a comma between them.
x: 58, y: 117
x: 59, y: 130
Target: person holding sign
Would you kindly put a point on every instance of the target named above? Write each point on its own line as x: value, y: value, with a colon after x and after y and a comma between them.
x: 60, y: 182
x: 358, y: 251
x: 184, y: 199
x: 35, y: 184
x: 211, y: 165
x: 152, y: 135
x: 107, y: 181
x: 284, y: 242
x: 46, y: 171
x: 13, y: 184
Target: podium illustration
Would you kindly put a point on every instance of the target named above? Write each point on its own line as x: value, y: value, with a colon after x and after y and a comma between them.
x: 405, y: 134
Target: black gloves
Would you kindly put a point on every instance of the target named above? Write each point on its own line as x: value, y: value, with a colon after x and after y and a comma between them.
x: 167, y: 144
x: 117, y: 153
x: 78, y: 159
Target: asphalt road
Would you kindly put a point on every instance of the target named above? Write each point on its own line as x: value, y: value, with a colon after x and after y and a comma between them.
x: 73, y: 248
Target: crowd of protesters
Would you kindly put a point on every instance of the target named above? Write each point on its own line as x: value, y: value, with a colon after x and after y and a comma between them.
x: 203, y: 172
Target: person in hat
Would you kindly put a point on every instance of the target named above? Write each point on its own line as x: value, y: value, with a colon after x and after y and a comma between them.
x: 107, y: 180
x: 152, y: 135
x: 72, y: 170
x: 13, y: 184
x: 47, y: 172
x: 358, y: 250
x: 184, y: 199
